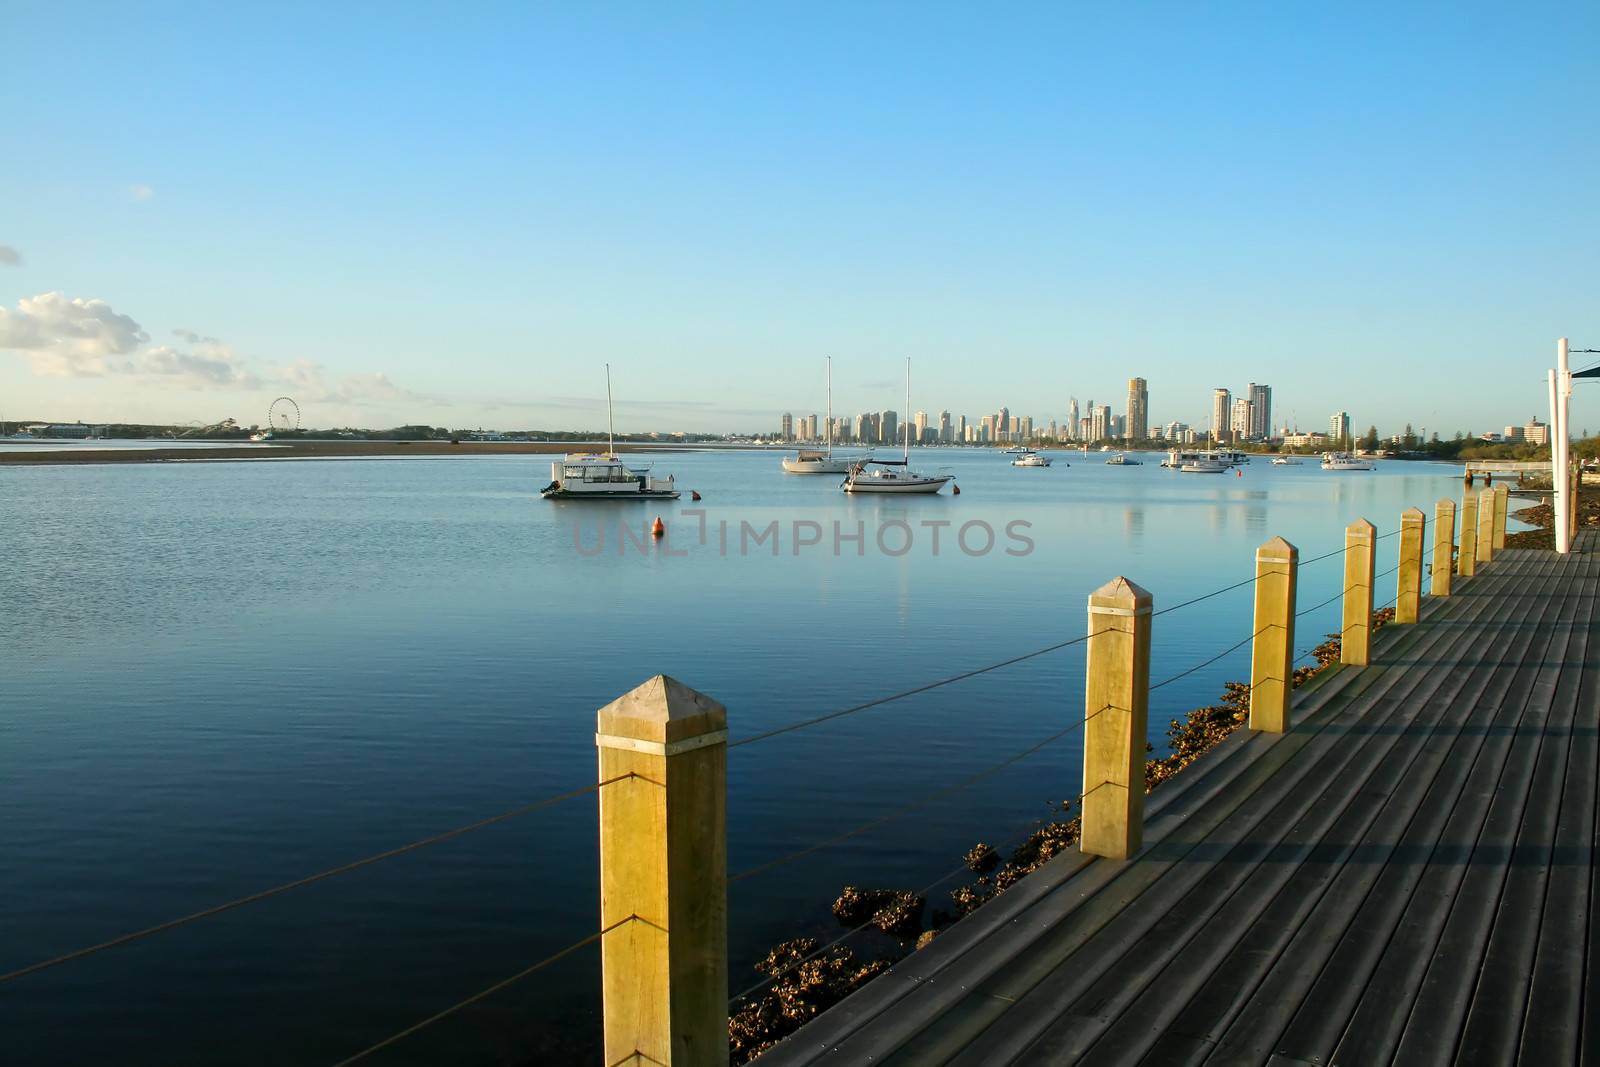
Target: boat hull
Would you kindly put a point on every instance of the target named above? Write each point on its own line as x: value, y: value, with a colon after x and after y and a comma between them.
x: 821, y: 466
x: 927, y: 485
x: 638, y: 494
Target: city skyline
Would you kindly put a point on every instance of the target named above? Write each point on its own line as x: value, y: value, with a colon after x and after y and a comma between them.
x: 741, y: 192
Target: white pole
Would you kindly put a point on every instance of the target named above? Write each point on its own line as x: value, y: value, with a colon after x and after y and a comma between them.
x: 1564, y: 442
x: 611, y: 427
x: 830, y: 407
x: 907, y: 452
x: 1558, y: 495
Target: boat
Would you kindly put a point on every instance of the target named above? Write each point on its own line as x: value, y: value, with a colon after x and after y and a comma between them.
x: 264, y: 436
x: 1286, y: 461
x: 603, y: 475
x: 1016, y: 450
x: 1227, y: 457
x: 893, y: 475
x: 1032, y: 459
x: 1121, y: 460
x: 1344, y: 461
x: 1204, y: 466
x: 819, y: 460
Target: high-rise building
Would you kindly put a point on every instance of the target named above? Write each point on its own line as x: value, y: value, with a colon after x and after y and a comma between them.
x: 1072, y: 418
x: 1138, y: 419
x: 1221, y: 403
x: 1100, y: 426
x: 1239, y: 421
x: 788, y: 426
x: 1536, y: 432
x: 921, y: 422
x: 946, y: 428
x: 961, y: 431
x: 1025, y: 428
x: 1339, y: 430
x: 986, y: 430
x: 809, y: 431
x: 889, y: 428
x: 1260, y: 411
x: 1002, y: 422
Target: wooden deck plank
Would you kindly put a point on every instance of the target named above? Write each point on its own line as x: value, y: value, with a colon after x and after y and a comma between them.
x: 1361, y: 909
x: 1439, y: 1012
x: 1408, y: 872
x: 1228, y: 956
x: 1493, y: 1027
x: 1227, y: 898
x: 965, y: 1021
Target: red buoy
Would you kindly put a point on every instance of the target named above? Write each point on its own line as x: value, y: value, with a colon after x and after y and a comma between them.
x: 955, y: 490
x: 1238, y: 472
x: 659, y: 528
x: 693, y: 495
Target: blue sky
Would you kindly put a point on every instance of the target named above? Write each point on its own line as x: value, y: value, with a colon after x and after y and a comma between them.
x: 454, y: 214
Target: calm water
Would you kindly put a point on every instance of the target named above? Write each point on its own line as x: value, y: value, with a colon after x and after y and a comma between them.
x: 220, y: 676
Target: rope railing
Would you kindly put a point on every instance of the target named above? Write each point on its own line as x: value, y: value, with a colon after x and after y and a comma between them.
x: 310, y: 879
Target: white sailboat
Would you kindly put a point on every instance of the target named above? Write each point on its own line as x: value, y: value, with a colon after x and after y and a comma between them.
x: 603, y: 475
x: 1344, y: 461
x: 893, y: 475
x: 817, y: 460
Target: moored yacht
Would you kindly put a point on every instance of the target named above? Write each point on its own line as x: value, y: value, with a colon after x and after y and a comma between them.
x: 820, y: 460
x: 893, y: 475
x: 603, y: 475
x: 1344, y: 461
x: 1032, y: 459
x: 1121, y: 460
x: 1203, y: 466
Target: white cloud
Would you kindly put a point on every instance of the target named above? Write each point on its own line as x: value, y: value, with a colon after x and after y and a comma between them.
x: 209, y: 364
x: 70, y: 338
x: 10, y: 256
x: 141, y: 192
x: 309, y: 381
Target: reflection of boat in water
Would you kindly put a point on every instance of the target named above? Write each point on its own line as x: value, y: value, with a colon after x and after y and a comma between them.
x: 893, y: 475
x: 1121, y: 460
x: 820, y: 460
x: 1344, y: 461
x: 1032, y: 459
x: 1204, y: 466
x: 603, y: 475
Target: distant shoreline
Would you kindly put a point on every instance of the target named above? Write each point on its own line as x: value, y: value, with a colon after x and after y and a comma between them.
x: 303, y: 450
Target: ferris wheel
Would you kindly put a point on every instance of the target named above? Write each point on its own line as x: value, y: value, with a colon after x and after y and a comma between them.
x: 283, y: 414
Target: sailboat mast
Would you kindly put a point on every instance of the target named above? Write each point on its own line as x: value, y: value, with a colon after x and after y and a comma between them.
x: 611, y: 426
x: 830, y: 407
x: 907, y: 450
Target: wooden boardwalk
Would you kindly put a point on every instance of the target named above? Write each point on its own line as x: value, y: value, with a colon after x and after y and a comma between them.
x: 1405, y: 877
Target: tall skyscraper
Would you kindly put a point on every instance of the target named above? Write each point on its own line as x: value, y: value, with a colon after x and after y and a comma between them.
x: 1260, y: 411
x: 788, y: 426
x: 1100, y: 422
x: 1239, y: 422
x: 1221, y: 402
x: 1138, y: 419
x: 1339, y: 429
x: 889, y: 428
x: 946, y: 428
x: 961, y: 432
x: 1072, y: 418
x: 986, y: 431
x: 1002, y: 422
x: 920, y: 420
x: 1025, y: 428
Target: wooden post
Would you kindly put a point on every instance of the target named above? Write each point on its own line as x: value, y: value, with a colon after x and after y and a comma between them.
x: 664, y: 876
x: 1116, y: 702
x: 1444, y: 537
x: 1272, y: 650
x: 1486, y: 526
x: 1360, y: 550
x: 1502, y: 498
x: 1577, y: 490
x: 1408, y: 592
x: 1467, y: 557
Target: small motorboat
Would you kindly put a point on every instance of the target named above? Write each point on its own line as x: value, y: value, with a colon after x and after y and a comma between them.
x: 1032, y: 459
x: 1121, y: 460
x: 1204, y: 466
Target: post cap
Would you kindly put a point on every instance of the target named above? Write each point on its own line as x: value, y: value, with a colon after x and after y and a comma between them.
x: 1119, y: 593
x: 1360, y: 528
x: 1279, y: 548
x: 662, y: 709
x: 1413, y: 515
x: 1446, y: 504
